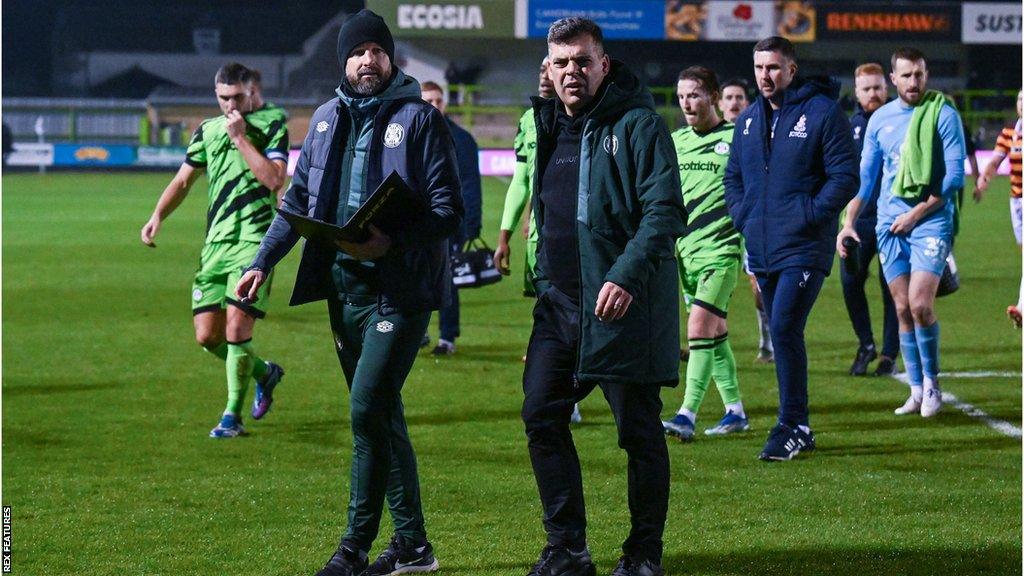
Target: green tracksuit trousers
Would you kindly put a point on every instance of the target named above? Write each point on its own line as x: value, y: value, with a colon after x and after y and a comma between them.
x: 377, y: 348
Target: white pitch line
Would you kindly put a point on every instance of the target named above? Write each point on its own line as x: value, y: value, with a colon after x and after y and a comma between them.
x: 902, y: 376
x: 1001, y: 426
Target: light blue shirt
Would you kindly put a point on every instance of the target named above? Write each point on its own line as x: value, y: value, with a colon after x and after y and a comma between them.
x: 883, y: 138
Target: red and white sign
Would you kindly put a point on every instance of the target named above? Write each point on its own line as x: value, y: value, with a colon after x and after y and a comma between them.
x: 739, y: 21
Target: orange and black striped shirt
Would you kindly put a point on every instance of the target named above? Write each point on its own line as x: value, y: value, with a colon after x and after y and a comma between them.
x: 1009, y: 144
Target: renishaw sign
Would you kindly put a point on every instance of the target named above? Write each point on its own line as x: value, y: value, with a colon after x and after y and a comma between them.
x: 884, y: 21
x: 448, y: 18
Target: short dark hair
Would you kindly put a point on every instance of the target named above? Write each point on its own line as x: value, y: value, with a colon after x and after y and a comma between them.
x: 431, y: 86
x: 565, y: 30
x: 906, y: 53
x: 704, y: 76
x: 776, y: 44
x: 255, y: 77
x: 739, y: 83
x: 233, y: 73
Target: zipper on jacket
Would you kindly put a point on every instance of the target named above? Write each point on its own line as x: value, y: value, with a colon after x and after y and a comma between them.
x: 769, y: 149
x: 579, y: 260
x: 579, y: 272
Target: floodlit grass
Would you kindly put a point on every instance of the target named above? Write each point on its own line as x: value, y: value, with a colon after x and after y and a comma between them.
x: 107, y: 402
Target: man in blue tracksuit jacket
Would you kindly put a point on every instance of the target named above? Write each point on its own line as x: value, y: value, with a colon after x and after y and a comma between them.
x: 791, y: 171
x: 379, y: 292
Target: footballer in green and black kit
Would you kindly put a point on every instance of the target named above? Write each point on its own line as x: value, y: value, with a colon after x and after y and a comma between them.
x: 240, y: 208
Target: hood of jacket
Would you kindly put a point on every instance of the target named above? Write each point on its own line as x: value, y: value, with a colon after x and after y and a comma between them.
x: 401, y: 86
x: 806, y: 87
x: 621, y: 90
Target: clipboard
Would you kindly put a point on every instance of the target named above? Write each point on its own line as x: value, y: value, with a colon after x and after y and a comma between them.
x: 392, y: 206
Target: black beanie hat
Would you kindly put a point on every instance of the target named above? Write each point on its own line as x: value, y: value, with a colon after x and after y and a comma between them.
x: 364, y: 26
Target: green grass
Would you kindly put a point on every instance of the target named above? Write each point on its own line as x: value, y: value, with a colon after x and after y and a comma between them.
x: 107, y: 401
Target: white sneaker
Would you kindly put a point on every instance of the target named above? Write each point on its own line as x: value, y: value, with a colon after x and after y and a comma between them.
x: 932, y: 403
x: 576, y: 417
x: 911, y: 406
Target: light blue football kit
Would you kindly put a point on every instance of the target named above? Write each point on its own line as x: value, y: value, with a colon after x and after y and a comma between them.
x: 926, y: 246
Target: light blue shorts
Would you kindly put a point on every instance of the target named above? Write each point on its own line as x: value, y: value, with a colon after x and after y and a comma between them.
x: 923, y: 250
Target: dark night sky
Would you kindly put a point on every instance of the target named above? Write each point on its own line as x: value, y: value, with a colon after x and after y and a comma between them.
x: 31, y: 29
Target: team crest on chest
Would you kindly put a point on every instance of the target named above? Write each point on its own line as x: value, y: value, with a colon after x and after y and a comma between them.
x: 322, y: 126
x: 393, y: 135
x: 384, y: 326
x: 800, y: 128
x: 611, y: 144
x: 722, y: 148
x: 746, y: 127
x: 856, y: 132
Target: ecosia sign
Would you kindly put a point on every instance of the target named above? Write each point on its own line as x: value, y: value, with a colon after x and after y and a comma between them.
x: 452, y: 18
x: 991, y: 23
x: 739, y: 21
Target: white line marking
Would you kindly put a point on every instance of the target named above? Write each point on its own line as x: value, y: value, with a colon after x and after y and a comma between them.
x: 1001, y: 426
x: 902, y: 376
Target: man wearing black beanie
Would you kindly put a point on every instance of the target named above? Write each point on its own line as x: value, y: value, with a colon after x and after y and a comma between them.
x: 380, y: 292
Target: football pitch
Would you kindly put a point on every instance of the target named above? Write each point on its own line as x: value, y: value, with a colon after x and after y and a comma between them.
x: 107, y: 402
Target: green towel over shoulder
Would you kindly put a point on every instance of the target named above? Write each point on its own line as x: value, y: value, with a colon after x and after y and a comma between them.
x: 915, y: 171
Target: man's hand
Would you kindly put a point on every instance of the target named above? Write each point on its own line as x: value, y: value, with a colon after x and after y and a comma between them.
x: 526, y: 228
x: 502, y: 253
x: 374, y: 247
x: 846, y: 232
x: 612, y: 303
x: 250, y: 283
x: 904, y: 223
x: 235, y: 125
x: 149, y: 230
x: 981, y: 186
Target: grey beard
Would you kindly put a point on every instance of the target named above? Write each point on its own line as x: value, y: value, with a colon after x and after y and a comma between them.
x: 367, y: 86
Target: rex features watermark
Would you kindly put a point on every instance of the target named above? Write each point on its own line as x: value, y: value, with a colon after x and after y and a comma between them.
x: 7, y: 540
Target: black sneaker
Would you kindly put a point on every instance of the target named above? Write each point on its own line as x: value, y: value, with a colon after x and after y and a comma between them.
x: 784, y: 443
x: 629, y: 567
x: 560, y: 561
x: 886, y: 367
x: 345, y: 562
x: 403, y: 556
x: 864, y: 357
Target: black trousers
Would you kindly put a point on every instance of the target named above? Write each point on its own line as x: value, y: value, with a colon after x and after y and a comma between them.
x: 857, y: 301
x: 550, y: 390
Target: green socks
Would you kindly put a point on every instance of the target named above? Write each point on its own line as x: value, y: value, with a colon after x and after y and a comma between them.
x: 220, y: 351
x: 698, y: 372
x: 259, y: 367
x: 711, y: 358
x: 242, y: 364
x: 724, y: 371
